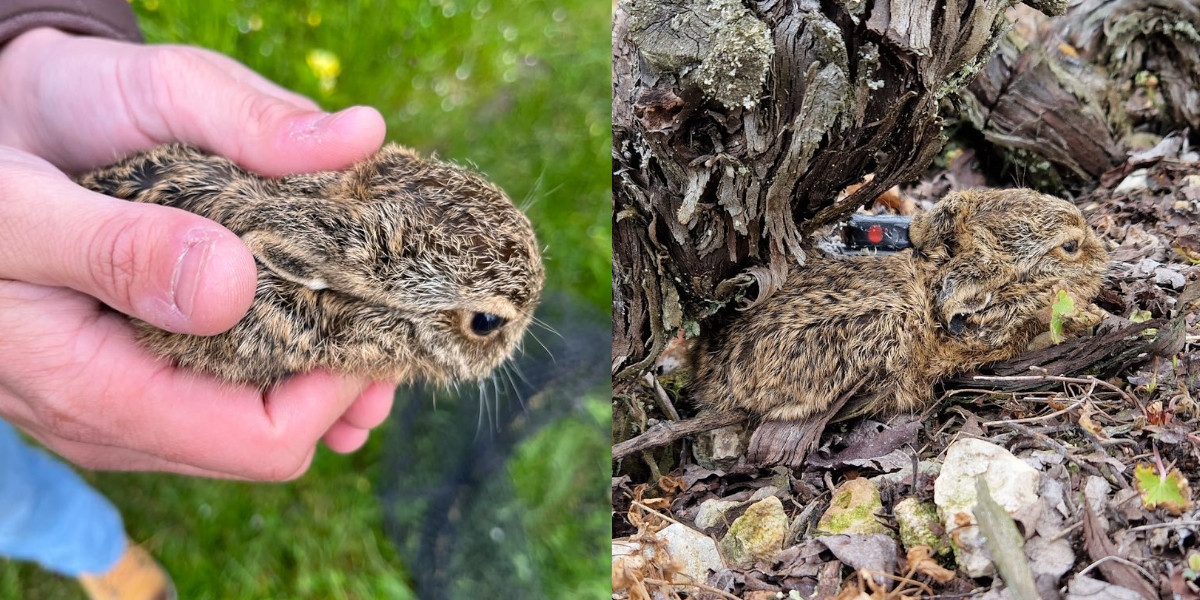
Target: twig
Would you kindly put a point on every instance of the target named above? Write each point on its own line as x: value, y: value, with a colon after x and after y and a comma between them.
x: 695, y: 584
x: 655, y: 512
x: 1065, y: 532
x: 668, y: 431
x: 1123, y: 561
x: 1162, y: 525
x: 664, y: 402
x: 1035, y: 419
x: 1080, y: 380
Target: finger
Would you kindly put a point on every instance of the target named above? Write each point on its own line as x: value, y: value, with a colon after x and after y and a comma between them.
x: 173, y: 269
x: 372, y: 408
x: 344, y: 438
x: 94, y: 384
x: 109, y: 458
x: 240, y: 73
x: 182, y: 96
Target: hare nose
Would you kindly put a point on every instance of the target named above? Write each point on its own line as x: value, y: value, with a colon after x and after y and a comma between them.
x: 957, y: 322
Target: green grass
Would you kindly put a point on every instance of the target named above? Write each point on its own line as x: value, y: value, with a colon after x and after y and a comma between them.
x: 519, y: 88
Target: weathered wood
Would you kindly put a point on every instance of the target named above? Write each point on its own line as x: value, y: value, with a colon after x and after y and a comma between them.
x: 737, y: 123
x: 1048, y: 110
x: 1102, y: 356
x: 1064, y: 98
x: 1160, y: 38
x: 666, y: 432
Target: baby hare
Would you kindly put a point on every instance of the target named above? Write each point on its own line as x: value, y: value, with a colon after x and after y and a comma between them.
x: 397, y: 268
x: 984, y: 263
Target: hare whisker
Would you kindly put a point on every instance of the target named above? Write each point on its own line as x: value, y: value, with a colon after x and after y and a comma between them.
x: 516, y: 392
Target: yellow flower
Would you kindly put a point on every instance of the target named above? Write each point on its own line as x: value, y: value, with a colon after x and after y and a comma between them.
x: 326, y: 66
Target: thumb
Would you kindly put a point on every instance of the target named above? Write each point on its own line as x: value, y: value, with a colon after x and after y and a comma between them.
x: 227, y: 109
x: 173, y: 269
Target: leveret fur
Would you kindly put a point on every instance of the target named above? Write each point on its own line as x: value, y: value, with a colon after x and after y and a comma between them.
x: 375, y: 270
x: 982, y: 266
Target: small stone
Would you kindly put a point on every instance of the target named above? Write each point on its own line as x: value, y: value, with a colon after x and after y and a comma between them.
x: 919, y: 526
x: 1013, y: 485
x: 1135, y: 181
x: 756, y: 535
x: 713, y: 513
x: 1165, y: 276
x: 720, y: 448
x: 695, y: 553
x: 764, y: 492
x: 852, y: 510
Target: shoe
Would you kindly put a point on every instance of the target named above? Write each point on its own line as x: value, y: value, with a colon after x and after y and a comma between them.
x: 137, y: 576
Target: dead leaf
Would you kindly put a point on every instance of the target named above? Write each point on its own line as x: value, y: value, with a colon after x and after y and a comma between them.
x: 1098, y: 547
x: 1088, y: 424
x: 875, y: 553
x: 920, y: 560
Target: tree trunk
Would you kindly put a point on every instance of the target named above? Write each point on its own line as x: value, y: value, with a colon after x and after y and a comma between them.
x: 737, y: 123
x: 1065, y: 98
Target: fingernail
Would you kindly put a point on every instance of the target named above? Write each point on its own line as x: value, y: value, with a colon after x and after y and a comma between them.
x: 189, y: 267
x: 332, y: 120
x: 311, y: 126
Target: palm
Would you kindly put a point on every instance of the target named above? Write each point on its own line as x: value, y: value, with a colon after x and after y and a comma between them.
x: 71, y: 371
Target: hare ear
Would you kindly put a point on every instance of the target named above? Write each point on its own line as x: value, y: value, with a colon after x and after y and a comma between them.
x: 287, y: 260
x: 935, y: 233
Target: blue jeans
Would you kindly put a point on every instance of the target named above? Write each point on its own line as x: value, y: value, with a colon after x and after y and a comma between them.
x: 49, y: 515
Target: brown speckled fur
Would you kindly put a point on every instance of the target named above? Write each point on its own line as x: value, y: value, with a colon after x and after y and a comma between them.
x: 983, y: 264
x: 376, y: 270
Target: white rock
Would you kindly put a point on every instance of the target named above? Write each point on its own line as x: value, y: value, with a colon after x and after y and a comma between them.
x: 692, y: 552
x: 763, y: 493
x: 1013, y: 485
x: 1133, y: 182
x: 1175, y: 279
x: 712, y: 512
x: 1052, y: 558
x: 720, y: 448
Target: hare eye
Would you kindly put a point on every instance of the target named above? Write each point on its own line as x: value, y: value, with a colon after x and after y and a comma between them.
x: 485, y: 323
x: 1070, y: 247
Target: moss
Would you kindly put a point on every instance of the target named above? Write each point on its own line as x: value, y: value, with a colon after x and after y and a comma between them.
x: 919, y: 526
x: 852, y: 510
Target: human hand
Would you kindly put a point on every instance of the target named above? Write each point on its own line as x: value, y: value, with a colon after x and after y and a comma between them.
x: 71, y: 372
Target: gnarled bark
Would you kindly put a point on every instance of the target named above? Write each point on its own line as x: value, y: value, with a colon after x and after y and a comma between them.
x: 1065, y: 98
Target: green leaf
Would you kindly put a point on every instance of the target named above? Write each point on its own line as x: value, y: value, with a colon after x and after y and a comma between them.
x: 1140, y: 316
x: 1063, y: 306
x: 1170, y: 493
